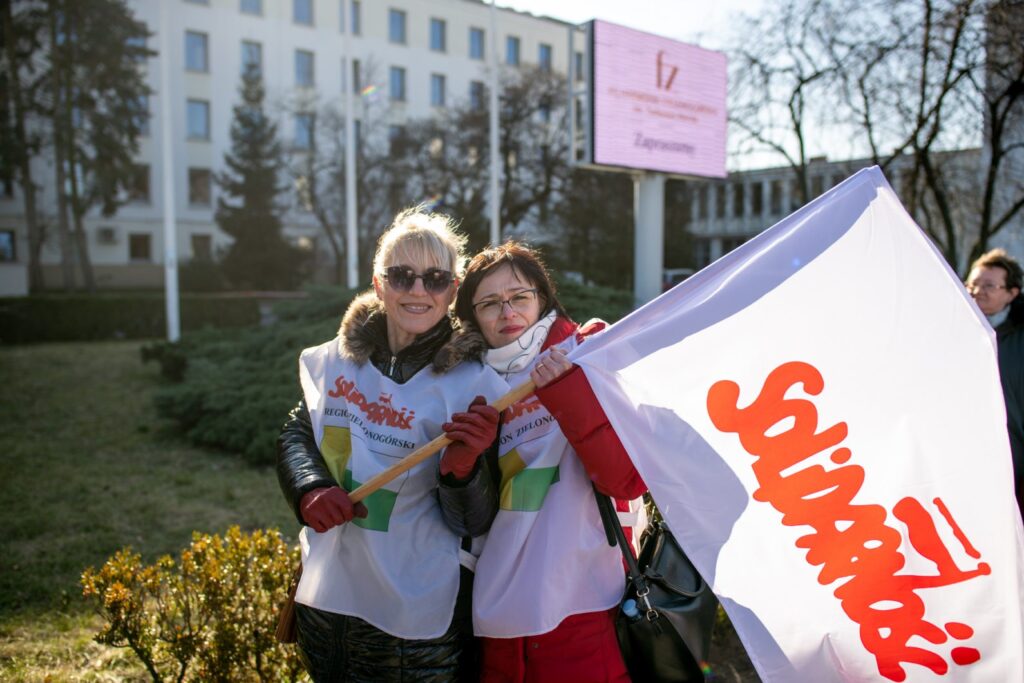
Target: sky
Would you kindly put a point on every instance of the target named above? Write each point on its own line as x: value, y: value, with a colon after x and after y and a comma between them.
x: 705, y: 23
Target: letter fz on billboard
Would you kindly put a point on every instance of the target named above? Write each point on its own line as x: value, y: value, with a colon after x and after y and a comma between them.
x: 658, y: 104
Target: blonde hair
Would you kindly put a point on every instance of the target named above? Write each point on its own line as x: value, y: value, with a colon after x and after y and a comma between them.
x: 419, y: 236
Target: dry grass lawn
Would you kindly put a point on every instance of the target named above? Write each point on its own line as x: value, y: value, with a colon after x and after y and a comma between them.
x: 87, y: 467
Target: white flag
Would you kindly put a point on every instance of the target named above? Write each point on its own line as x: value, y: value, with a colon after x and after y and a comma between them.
x: 819, y: 417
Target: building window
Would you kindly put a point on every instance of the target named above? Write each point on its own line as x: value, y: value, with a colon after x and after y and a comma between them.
x: 202, y: 247
x: 794, y: 194
x: 302, y: 12
x: 702, y: 252
x: 702, y: 202
x: 737, y: 200
x: 252, y: 57
x: 579, y: 66
x: 196, y: 57
x: 396, y: 26
x: 357, y: 79
x: 304, y: 131
x: 198, y: 120
x: 138, y: 191
x: 757, y: 198
x: 720, y: 201
x: 817, y: 186
x: 136, y: 47
x: 544, y: 57
x: 512, y: 51
x: 476, y: 95
x: 142, y: 115
x: 356, y: 16
x: 138, y: 247
x: 476, y: 43
x: 438, y: 38
x: 544, y: 112
x: 396, y: 140
x: 397, y: 82
x: 730, y: 243
x: 776, y: 198
x: 436, y: 90
x: 8, y: 254
x: 252, y: 7
x: 304, y: 68
x: 199, y: 186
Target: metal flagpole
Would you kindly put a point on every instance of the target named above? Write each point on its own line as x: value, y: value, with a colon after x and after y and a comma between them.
x: 351, y: 214
x: 167, y: 145
x: 495, y: 197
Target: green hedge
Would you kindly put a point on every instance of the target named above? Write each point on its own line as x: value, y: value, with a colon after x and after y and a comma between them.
x: 79, y: 317
x: 591, y: 301
x: 233, y: 389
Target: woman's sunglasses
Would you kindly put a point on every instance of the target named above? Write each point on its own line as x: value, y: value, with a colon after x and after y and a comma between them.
x: 402, y: 278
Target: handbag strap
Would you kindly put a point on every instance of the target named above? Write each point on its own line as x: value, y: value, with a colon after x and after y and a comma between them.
x: 612, y: 526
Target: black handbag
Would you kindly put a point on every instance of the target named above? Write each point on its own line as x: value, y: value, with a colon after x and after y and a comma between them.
x: 667, y: 613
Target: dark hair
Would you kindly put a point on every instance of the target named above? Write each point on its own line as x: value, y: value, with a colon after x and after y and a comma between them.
x: 525, y: 263
x: 998, y: 258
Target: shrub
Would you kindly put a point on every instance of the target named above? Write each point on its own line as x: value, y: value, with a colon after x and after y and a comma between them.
x: 592, y: 301
x: 209, y: 616
x: 138, y: 315
x: 201, y: 275
x: 239, y: 385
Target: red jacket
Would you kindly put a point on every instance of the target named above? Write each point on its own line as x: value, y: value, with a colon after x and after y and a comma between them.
x: 583, y: 648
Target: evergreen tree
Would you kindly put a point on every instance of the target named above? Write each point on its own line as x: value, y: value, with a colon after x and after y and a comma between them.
x: 98, y: 107
x: 260, y: 258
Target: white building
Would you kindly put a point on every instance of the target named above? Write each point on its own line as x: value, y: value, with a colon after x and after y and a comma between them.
x: 726, y: 213
x: 425, y: 55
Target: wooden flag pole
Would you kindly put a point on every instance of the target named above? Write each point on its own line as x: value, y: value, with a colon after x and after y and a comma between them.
x: 428, y: 449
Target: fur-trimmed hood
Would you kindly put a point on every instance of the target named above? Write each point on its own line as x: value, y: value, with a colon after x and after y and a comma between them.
x: 363, y: 336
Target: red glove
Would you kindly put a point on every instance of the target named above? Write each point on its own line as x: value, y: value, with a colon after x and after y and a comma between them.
x: 329, y: 507
x: 471, y: 432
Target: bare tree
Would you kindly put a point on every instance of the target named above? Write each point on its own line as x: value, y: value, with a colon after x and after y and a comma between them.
x: 22, y: 38
x: 318, y: 170
x: 782, y: 75
x: 446, y: 158
x: 929, y: 90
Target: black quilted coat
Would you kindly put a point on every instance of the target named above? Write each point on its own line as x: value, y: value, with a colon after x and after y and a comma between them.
x: 337, y: 647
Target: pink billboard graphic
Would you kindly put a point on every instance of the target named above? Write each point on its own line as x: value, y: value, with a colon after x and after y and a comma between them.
x: 659, y: 105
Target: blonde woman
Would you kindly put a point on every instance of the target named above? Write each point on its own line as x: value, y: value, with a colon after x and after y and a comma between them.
x: 385, y: 589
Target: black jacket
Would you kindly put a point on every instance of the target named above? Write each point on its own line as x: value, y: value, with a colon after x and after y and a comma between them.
x: 468, y: 506
x: 1010, y: 335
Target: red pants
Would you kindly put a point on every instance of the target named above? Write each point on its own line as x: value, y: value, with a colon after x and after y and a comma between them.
x: 582, y: 649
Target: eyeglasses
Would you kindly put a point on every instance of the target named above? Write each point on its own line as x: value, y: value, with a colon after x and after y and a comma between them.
x: 986, y: 287
x: 403, y: 278
x: 518, y: 302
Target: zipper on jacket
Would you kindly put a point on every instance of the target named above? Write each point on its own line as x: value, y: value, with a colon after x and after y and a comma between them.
x: 391, y: 367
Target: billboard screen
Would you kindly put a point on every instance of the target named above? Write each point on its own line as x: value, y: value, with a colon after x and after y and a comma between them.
x: 658, y: 104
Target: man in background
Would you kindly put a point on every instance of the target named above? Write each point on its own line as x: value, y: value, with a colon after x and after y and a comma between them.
x: 995, y: 282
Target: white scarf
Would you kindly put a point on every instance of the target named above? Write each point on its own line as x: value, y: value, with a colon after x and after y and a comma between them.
x: 520, y: 353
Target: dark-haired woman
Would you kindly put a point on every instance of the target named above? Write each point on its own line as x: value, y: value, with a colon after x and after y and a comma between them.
x: 385, y: 592
x: 547, y: 582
